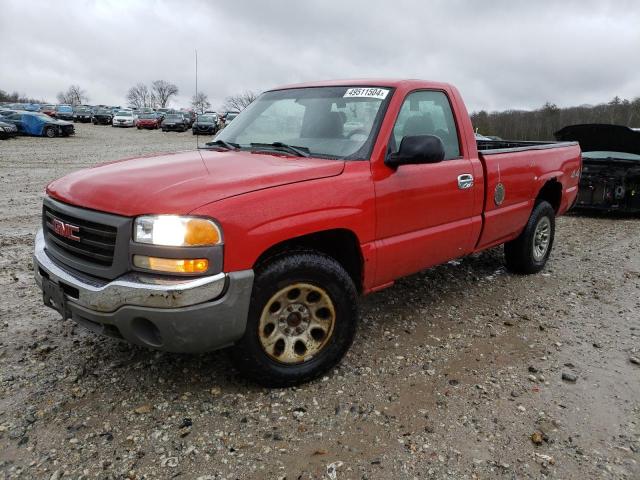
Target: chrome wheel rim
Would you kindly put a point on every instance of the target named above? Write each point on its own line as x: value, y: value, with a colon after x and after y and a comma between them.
x: 296, y: 323
x: 541, y: 238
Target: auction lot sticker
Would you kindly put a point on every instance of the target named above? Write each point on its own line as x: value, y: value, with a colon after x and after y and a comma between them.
x: 366, y: 92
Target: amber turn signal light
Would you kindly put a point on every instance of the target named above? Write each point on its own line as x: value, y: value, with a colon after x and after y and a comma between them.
x: 171, y: 265
x: 201, y: 232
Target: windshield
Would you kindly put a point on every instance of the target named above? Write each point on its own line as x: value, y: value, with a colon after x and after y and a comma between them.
x: 605, y: 154
x: 122, y: 113
x: 65, y: 109
x: 206, y: 118
x: 329, y: 122
x: 148, y: 116
x: 174, y: 117
x: 102, y: 111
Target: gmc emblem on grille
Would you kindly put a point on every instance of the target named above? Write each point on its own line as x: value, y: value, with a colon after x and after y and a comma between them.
x: 65, y: 230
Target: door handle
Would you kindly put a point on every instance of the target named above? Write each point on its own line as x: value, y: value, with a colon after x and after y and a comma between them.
x: 465, y: 181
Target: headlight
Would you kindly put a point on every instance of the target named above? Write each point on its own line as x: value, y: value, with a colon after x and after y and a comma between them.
x: 1, y: 129
x: 174, y: 231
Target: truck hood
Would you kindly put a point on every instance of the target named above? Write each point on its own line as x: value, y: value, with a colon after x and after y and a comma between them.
x: 178, y: 183
x: 602, y: 137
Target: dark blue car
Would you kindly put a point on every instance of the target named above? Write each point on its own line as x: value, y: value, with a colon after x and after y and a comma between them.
x: 39, y: 124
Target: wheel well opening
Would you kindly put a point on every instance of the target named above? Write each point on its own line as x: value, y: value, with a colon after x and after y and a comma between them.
x: 340, y: 244
x: 552, y: 193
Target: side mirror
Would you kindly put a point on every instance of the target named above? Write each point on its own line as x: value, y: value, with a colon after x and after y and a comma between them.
x: 417, y: 149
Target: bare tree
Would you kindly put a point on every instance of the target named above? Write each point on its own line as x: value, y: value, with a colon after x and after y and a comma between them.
x: 73, y: 96
x: 240, y: 101
x: 200, y: 102
x: 163, y: 91
x: 140, y: 96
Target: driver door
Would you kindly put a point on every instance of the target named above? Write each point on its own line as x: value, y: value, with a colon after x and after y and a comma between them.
x: 424, y: 211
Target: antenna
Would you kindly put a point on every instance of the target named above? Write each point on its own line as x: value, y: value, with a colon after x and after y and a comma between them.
x: 196, y: 99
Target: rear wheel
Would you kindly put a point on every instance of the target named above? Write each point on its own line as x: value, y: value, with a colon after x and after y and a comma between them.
x: 530, y: 251
x: 302, y: 320
x: 50, y: 132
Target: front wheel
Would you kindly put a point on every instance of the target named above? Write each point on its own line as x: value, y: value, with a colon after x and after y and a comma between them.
x: 302, y: 319
x: 50, y: 132
x: 529, y: 252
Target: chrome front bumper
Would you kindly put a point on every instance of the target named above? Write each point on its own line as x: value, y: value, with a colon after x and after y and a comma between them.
x: 129, y: 289
x: 178, y: 314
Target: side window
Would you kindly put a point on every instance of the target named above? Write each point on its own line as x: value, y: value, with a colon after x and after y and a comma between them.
x: 427, y: 113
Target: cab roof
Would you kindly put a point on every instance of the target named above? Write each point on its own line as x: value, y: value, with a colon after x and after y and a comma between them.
x: 370, y: 82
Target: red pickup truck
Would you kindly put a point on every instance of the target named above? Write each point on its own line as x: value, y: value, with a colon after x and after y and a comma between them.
x: 313, y: 195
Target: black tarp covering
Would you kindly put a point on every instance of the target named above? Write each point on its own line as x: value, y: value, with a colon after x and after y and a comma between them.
x: 602, y: 137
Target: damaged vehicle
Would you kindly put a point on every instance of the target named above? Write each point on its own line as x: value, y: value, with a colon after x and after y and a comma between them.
x: 610, y: 179
x: 102, y: 116
x: 39, y: 125
x: 7, y: 130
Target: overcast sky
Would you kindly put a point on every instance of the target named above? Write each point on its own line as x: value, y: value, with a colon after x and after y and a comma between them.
x: 500, y: 54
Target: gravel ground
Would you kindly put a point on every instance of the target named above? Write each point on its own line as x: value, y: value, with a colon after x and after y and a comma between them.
x: 463, y: 371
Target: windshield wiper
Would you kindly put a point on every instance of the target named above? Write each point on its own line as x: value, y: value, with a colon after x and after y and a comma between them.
x: 299, y: 151
x: 223, y: 144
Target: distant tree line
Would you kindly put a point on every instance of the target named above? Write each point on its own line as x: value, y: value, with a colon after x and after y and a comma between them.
x: 156, y: 95
x: 16, y: 97
x: 541, y: 124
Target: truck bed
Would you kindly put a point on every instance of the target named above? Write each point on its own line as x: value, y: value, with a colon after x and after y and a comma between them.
x: 514, y: 174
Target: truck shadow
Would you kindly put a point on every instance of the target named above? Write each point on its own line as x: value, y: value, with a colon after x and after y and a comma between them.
x: 410, y: 298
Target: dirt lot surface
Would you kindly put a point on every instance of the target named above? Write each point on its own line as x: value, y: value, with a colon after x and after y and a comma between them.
x: 456, y: 372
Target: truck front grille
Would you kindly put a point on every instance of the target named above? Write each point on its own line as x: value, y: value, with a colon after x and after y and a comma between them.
x: 96, y: 242
x: 91, y: 242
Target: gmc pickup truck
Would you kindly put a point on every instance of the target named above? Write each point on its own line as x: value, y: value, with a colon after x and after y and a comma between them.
x: 264, y: 239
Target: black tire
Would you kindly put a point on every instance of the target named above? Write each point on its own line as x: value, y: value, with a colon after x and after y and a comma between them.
x: 49, y: 132
x: 521, y: 254
x: 279, y: 272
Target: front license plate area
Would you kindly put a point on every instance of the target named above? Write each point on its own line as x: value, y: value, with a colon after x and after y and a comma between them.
x: 53, y: 297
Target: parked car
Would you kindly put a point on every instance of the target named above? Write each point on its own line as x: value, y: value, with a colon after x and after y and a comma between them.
x: 148, y: 121
x: 102, y: 116
x: 123, y: 118
x: 48, y: 110
x: 225, y: 119
x: 205, y: 124
x: 82, y: 114
x: 64, y: 112
x: 610, y: 179
x: 228, y: 246
x: 7, y: 130
x: 190, y: 117
x: 175, y: 122
x: 39, y: 124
